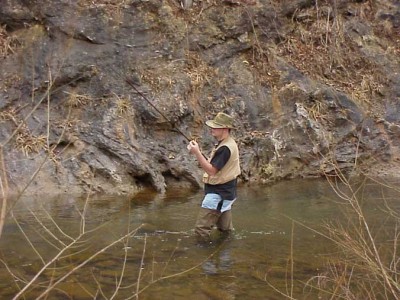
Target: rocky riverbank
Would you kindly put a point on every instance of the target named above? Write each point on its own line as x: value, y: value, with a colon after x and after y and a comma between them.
x: 314, y: 88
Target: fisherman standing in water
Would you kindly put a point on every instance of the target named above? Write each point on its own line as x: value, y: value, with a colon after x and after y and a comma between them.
x: 220, y: 178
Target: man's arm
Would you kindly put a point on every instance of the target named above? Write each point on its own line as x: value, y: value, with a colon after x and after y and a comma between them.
x: 194, y: 149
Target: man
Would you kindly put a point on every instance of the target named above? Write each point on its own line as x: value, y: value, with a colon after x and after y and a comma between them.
x: 220, y: 178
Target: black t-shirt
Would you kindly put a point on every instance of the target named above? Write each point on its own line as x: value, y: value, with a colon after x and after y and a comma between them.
x: 221, y: 157
x: 226, y: 190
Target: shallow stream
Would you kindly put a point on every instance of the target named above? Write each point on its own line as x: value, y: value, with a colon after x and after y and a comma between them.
x: 276, y: 247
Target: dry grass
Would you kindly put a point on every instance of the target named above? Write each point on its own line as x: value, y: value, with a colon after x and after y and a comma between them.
x: 321, y: 49
x: 318, y: 46
x: 112, y: 8
x: 318, y: 112
x: 158, y: 80
x: 360, y: 264
x: 77, y: 100
x: 332, y: 58
x: 9, y: 115
x: 366, y: 266
x: 25, y: 141
x: 200, y: 73
x: 7, y: 43
x: 28, y: 143
x: 123, y: 104
x: 364, y: 261
x: 12, y: 80
x: 165, y: 77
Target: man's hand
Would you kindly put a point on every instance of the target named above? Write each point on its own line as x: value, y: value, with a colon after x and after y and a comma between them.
x: 193, y: 147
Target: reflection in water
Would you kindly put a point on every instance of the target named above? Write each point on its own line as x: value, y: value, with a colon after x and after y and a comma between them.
x: 220, y: 262
x: 163, y: 260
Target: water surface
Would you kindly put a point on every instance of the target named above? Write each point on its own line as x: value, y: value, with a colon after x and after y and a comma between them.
x: 273, y: 250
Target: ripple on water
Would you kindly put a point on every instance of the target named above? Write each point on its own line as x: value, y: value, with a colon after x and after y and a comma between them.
x: 272, y: 229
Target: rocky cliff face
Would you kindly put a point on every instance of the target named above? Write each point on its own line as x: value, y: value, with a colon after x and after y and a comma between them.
x: 314, y: 87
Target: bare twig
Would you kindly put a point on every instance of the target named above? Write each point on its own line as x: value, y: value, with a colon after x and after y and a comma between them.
x: 161, y: 278
x: 59, y: 255
x: 27, y: 238
x: 141, y: 267
x: 3, y: 190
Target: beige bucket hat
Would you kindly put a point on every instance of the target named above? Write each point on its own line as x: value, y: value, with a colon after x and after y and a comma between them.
x: 221, y: 120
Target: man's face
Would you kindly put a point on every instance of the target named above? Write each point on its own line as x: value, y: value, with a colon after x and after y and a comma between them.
x: 218, y: 132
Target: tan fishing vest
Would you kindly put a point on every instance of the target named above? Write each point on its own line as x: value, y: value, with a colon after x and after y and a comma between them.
x: 231, y: 169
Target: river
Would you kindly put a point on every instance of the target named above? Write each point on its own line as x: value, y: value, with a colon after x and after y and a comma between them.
x: 278, y: 245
